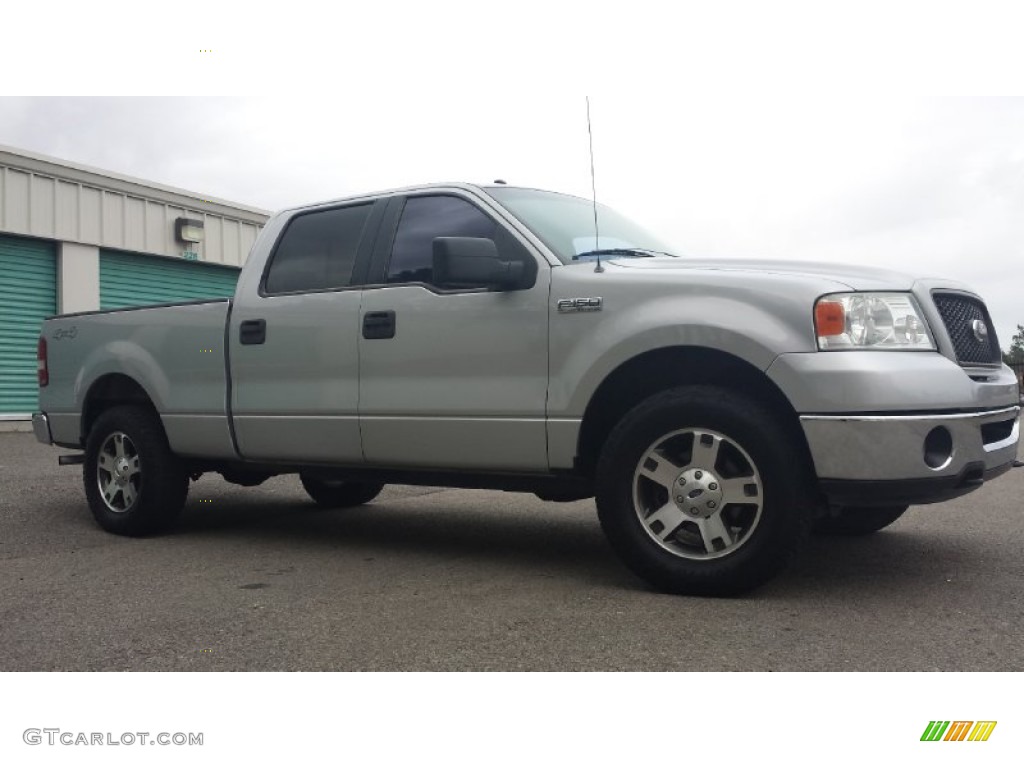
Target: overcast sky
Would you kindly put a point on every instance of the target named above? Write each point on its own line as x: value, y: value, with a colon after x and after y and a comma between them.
x: 850, y: 135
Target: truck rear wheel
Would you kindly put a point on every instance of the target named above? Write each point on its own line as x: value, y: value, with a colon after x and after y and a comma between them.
x: 703, y: 491
x: 337, y: 494
x: 859, y: 521
x: 134, y: 484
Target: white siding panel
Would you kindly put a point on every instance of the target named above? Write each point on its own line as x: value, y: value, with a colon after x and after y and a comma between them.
x: 48, y: 205
x: 171, y: 246
x: 134, y: 224
x: 67, y: 211
x: 90, y: 215
x: 213, y: 244
x: 43, y: 204
x: 231, y: 240
x: 155, y: 216
x: 16, y: 201
x: 113, y: 219
x: 247, y: 236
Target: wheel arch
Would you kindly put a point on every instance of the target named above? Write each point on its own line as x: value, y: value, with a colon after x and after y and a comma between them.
x: 111, y: 390
x: 659, y: 369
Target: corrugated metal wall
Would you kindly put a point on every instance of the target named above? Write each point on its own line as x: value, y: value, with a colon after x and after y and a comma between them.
x: 42, y: 206
x: 28, y: 294
x: 131, y: 279
x: 52, y: 210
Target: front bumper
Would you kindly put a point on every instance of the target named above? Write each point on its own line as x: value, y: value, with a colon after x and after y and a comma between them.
x: 879, y: 459
x: 41, y: 428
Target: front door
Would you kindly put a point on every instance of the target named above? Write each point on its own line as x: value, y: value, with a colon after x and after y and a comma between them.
x: 452, y: 379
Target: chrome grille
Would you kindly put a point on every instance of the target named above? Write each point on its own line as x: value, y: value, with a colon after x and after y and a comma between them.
x: 959, y: 313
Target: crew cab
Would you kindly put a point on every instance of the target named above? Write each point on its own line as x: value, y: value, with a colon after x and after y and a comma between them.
x: 491, y: 337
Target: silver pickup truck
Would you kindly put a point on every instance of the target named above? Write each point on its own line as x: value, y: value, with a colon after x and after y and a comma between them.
x: 488, y: 337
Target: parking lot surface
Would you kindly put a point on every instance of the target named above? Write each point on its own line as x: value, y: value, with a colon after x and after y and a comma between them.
x: 436, y: 579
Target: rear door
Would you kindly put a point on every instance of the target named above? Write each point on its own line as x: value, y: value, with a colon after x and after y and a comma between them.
x: 451, y: 379
x: 294, y: 346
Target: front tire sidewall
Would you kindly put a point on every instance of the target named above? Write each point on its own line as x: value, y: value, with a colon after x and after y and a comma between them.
x: 784, y: 521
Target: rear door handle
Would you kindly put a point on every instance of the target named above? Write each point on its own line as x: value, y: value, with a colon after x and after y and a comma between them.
x: 252, y: 332
x: 379, y: 325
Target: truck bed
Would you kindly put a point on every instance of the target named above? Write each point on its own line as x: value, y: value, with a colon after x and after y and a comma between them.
x: 175, y: 351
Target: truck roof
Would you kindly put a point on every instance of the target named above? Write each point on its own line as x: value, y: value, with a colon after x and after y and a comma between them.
x: 463, y: 185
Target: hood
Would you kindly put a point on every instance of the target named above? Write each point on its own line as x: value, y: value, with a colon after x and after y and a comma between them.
x: 856, y: 277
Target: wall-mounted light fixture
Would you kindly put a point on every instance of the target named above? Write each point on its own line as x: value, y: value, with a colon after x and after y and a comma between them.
x: 188, y: 230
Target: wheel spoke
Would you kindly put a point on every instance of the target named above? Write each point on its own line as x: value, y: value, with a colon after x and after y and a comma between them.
x: 110, y: 490
x: 705, y: 450
x: 105, y: 460
x: 119, y: 446
x: 659, y: 469
x: 712, y: 528
x: 735, y: 491
x: 670, y: 516
x: 133, y: 466
x: 129, y: 495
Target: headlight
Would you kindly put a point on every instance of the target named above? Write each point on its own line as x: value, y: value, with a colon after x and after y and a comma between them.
x: 870, y: 321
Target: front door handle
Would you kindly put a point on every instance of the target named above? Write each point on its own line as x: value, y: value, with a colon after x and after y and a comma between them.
x: 252, y: 332
x: 379, y: 325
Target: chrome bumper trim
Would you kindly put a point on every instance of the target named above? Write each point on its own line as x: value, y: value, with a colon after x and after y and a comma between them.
x: 41, y: 428
x: 852, y: 447
x: 1013, y: 409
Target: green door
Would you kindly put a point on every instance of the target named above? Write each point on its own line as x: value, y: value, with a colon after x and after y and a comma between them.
x: 128, y: 280
x: 28, y: 294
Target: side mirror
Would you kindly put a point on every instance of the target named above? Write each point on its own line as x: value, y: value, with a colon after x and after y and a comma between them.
x: 472, y: 262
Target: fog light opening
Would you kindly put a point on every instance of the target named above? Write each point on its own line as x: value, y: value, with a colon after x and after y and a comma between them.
x: 938, y: 448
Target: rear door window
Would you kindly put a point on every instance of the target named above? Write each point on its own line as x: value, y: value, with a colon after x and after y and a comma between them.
x: 317, y: 250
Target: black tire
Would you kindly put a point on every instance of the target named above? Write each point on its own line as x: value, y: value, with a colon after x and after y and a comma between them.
x: 746, y: 437
x: 150, y: 494
x: 858, y: 521
x: 338, y: 494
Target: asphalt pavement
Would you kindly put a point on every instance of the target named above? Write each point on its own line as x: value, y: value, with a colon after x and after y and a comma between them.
x: 437, y: 579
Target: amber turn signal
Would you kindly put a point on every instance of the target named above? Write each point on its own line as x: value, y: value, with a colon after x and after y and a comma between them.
x: 829, y: 318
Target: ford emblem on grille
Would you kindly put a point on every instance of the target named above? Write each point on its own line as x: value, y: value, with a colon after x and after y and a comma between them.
x: 980, y: 330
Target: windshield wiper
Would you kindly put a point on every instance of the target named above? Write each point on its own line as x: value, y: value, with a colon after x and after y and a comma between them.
x: 636, y: 252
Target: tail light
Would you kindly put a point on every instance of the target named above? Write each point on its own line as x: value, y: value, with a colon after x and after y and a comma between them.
x: 41, y: 368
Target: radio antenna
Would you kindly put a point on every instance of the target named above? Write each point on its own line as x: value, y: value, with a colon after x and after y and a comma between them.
x: 593, y: 190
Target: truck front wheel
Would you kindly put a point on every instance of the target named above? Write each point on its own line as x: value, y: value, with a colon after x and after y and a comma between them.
x: 859, y: 521
x: 134, y: 484
x: 337, y: 494
x: 702, y: 490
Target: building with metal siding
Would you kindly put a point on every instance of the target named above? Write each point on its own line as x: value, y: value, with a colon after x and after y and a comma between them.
x: 74, y: 239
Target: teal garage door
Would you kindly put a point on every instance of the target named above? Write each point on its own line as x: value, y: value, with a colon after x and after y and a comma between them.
x: 28, y: 294
x: 129, y: 280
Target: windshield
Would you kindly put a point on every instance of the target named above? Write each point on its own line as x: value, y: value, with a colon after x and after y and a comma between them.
x: 565, y: 224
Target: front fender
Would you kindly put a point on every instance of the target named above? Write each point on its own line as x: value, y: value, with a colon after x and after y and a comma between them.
x: 583, y: 357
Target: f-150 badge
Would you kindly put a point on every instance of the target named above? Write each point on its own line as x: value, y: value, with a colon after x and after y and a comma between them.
x: 580, y: 305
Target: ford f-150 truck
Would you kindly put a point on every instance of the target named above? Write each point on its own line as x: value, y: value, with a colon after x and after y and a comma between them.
x: 489, y: 337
